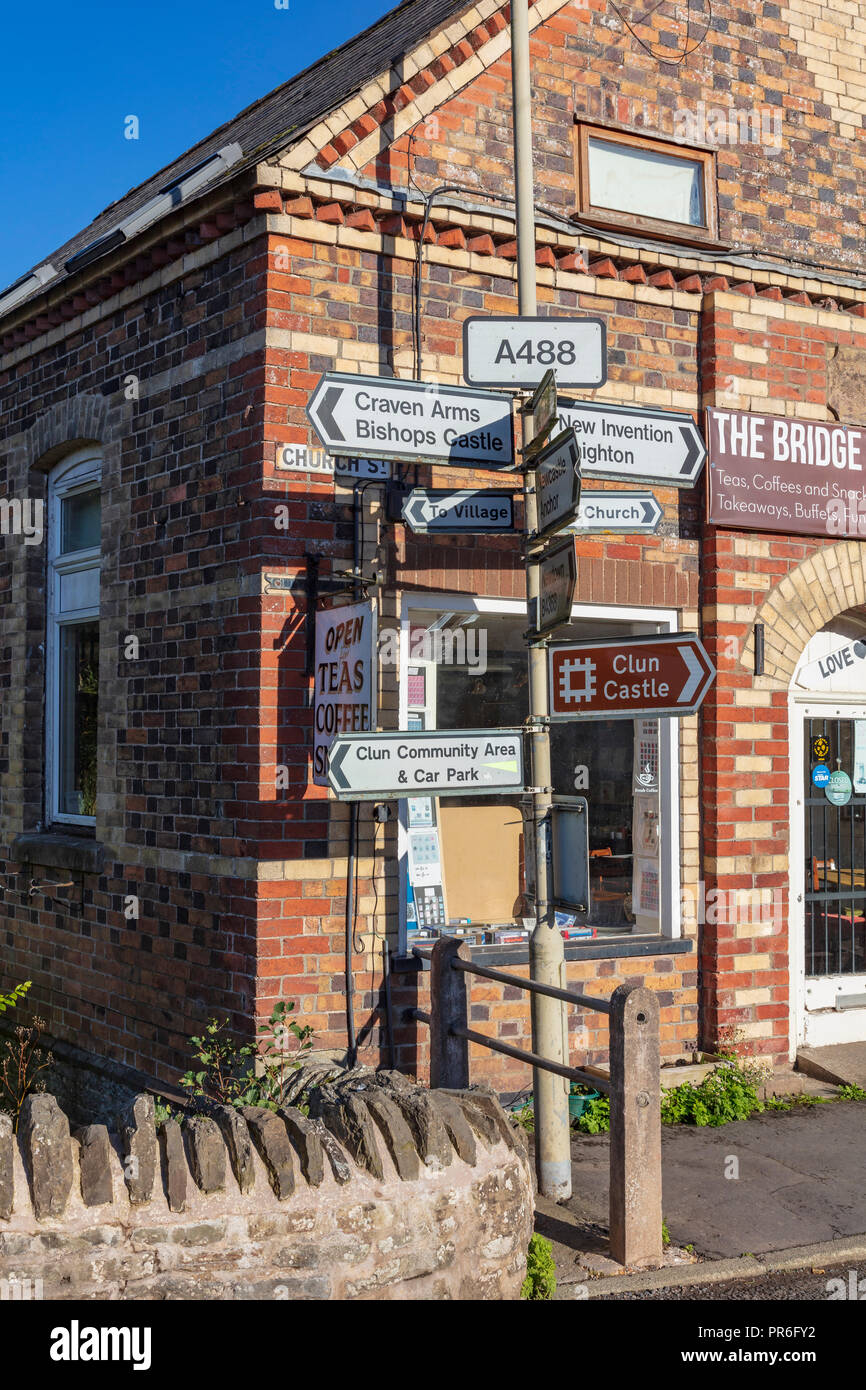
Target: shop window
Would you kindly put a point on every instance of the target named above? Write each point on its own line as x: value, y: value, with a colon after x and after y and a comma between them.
x: 467, y: 862
x: 644, y: 185
x: 72, y: 649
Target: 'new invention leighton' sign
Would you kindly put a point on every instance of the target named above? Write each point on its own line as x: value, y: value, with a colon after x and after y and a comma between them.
x: 771, y: 473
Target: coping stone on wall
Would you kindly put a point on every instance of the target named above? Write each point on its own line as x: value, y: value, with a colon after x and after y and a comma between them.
x: 47, y: 1147
x: 94, y: 1165
x: 138, y: 1137
x: 7, y: 1149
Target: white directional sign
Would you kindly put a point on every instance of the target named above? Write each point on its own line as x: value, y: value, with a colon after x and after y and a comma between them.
x: 635, y: 512
x: 624, y: 678
x: 516, y: 352
x: 634, y: 444
x: 381, y: 417
x: 455, y: 762
x: 557, y: 483
x: 557, y: 578
x: 430, y: 510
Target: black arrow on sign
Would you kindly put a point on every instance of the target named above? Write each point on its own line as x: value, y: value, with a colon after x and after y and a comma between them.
x: 326, y: 412
x: 335, y: 764
x: 694, y: 447
x: 649, y: 511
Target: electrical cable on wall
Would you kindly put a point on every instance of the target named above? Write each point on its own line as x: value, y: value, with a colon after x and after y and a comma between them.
x: 568, y: 223
x: 664, y: 56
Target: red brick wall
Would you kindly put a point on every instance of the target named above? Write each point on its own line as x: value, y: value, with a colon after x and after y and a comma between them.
x: 745, y: 782
x: 503, y: 1011
x: 178, y: 791
x: 301, y: 925
x: 800, y: 200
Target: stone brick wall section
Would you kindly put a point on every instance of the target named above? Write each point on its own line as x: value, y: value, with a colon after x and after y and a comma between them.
x: 389, y: 1192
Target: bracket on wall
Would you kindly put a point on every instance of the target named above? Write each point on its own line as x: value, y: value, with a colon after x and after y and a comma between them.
x: 759, y: 649
x: 45, y: 888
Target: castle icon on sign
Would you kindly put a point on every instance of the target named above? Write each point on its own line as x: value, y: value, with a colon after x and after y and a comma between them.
x: 577, y: 681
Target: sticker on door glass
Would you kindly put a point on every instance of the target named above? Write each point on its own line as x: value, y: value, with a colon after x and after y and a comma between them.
x: 820, y: 748
x: 821, y: 775
x: 838, y: 789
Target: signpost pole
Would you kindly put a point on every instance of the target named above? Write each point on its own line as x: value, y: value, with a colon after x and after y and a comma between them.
x: 546, y: 947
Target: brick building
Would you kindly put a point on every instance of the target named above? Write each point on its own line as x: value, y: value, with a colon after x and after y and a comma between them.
x: 167, y: 853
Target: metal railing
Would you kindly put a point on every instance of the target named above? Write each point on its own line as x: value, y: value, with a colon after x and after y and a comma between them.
x: 635, y: 1199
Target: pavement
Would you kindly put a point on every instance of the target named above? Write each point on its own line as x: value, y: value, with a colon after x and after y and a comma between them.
x: 747, y: 1197
x: 843, y: 1064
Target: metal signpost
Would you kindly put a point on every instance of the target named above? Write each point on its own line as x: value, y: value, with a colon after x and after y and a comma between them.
x: 629, y: 678
x: 638, y: 513
x: 377, y: 418
x: 432, y: 511
x: 415, y: 421
x: 633, y: 444
x: 516, y: 352
x: 453, y: 762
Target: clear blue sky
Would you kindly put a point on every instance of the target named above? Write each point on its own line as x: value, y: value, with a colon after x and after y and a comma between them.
x: 71, y: 72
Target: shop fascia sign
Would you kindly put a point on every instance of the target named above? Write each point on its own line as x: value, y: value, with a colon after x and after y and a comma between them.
x: 845, y: 661
x: 775, y: 473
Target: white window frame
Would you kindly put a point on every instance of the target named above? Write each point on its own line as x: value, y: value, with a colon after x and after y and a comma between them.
x: 668, y: 620
x: 77, y: 473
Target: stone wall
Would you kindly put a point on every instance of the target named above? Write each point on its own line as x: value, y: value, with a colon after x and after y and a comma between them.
x: 389, y: 1192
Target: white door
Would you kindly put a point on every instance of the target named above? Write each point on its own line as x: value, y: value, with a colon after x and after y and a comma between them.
x: 828, y: 871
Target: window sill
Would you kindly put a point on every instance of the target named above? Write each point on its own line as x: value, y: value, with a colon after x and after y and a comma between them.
x: 418, y: 957
x: 55, y: 851
x: 679, y: 233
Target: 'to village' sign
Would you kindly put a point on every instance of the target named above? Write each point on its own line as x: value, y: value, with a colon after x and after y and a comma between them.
x: 770, y: 473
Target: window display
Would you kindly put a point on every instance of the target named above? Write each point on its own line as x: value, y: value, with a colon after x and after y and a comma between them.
x: 467, y: 862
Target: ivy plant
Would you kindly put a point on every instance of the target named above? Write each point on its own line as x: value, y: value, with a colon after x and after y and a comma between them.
x: 9, y: 1001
